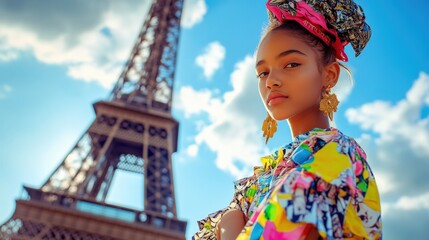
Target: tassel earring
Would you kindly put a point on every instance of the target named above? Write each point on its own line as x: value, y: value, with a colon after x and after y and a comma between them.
x: 269, y: 127
x: 329, y: 103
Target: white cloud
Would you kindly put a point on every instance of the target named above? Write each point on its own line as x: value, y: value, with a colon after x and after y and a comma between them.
x: 92, y: 40
x: 5, y: 90
x: 73, y: 34
x: 211, y: 60
x: 6, y: 54
x: 193, y: 150
x: 105, y: 73
x: 234, y: 118
x: 413, y: 203
x: 193, y: 12
x: 192, y: 101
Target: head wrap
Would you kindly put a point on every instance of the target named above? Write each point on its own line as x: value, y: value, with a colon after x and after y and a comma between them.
x: 342, y: 19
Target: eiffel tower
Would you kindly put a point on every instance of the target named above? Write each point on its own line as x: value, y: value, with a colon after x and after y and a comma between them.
x: 133, y: 131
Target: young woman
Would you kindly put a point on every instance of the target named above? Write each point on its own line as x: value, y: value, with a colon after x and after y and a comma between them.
x: 320, y: 185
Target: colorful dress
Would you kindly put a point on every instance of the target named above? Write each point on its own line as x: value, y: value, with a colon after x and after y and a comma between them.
x: 320, y: 179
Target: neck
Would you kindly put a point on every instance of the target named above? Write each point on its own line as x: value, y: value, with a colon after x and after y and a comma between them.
x: 307, y: 120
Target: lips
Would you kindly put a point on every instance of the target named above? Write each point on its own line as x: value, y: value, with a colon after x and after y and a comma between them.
x: 275, y: 97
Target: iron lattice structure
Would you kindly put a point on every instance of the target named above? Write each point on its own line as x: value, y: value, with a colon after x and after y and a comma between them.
x: 133, y: 131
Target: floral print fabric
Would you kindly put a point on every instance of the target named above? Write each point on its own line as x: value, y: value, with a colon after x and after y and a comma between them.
x: 320, y: 180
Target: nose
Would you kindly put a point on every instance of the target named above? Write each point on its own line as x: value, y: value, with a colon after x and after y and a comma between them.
x: 272, y: 81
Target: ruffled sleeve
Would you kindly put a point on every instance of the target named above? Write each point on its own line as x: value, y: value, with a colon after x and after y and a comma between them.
x: 331, y: 188
x: 207, y: 226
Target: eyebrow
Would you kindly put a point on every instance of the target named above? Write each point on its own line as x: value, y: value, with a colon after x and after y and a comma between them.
x: 282, y: 54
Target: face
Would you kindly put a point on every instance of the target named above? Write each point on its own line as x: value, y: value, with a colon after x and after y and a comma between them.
x: 290, y: 81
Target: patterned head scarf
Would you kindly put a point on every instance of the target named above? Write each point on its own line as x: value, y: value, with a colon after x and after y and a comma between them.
x: 342, y: 19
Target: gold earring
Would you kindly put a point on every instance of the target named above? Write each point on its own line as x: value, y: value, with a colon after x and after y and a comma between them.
x: 269, y: 127
x: 329, y: 103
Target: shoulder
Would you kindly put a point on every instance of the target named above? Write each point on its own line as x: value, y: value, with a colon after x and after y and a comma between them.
x: 332, y: 144
x: 333, y: 157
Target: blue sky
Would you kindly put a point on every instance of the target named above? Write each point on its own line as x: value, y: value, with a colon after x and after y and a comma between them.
x: 57, y: 59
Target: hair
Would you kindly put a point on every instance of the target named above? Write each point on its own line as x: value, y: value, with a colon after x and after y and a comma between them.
x: 327, y: 53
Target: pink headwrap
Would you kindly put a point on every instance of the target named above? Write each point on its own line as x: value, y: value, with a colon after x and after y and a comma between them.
x: 346, y: 25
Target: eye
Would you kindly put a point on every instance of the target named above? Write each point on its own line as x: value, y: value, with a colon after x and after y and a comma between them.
x: 261, y: 75
x: 292, y: 65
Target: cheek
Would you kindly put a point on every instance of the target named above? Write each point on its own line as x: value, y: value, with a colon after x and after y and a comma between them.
x: 307, y: 87
x: 262, y: 90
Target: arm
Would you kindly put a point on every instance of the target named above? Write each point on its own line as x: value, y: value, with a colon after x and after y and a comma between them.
x: 230, y: 225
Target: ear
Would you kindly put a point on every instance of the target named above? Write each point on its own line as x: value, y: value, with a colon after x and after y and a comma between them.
x: 331, y: 74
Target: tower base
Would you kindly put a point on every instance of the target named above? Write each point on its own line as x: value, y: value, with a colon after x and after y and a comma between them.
x: 52, y: 216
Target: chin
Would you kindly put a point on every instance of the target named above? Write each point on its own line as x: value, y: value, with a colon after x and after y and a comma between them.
x: 279, y: 116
